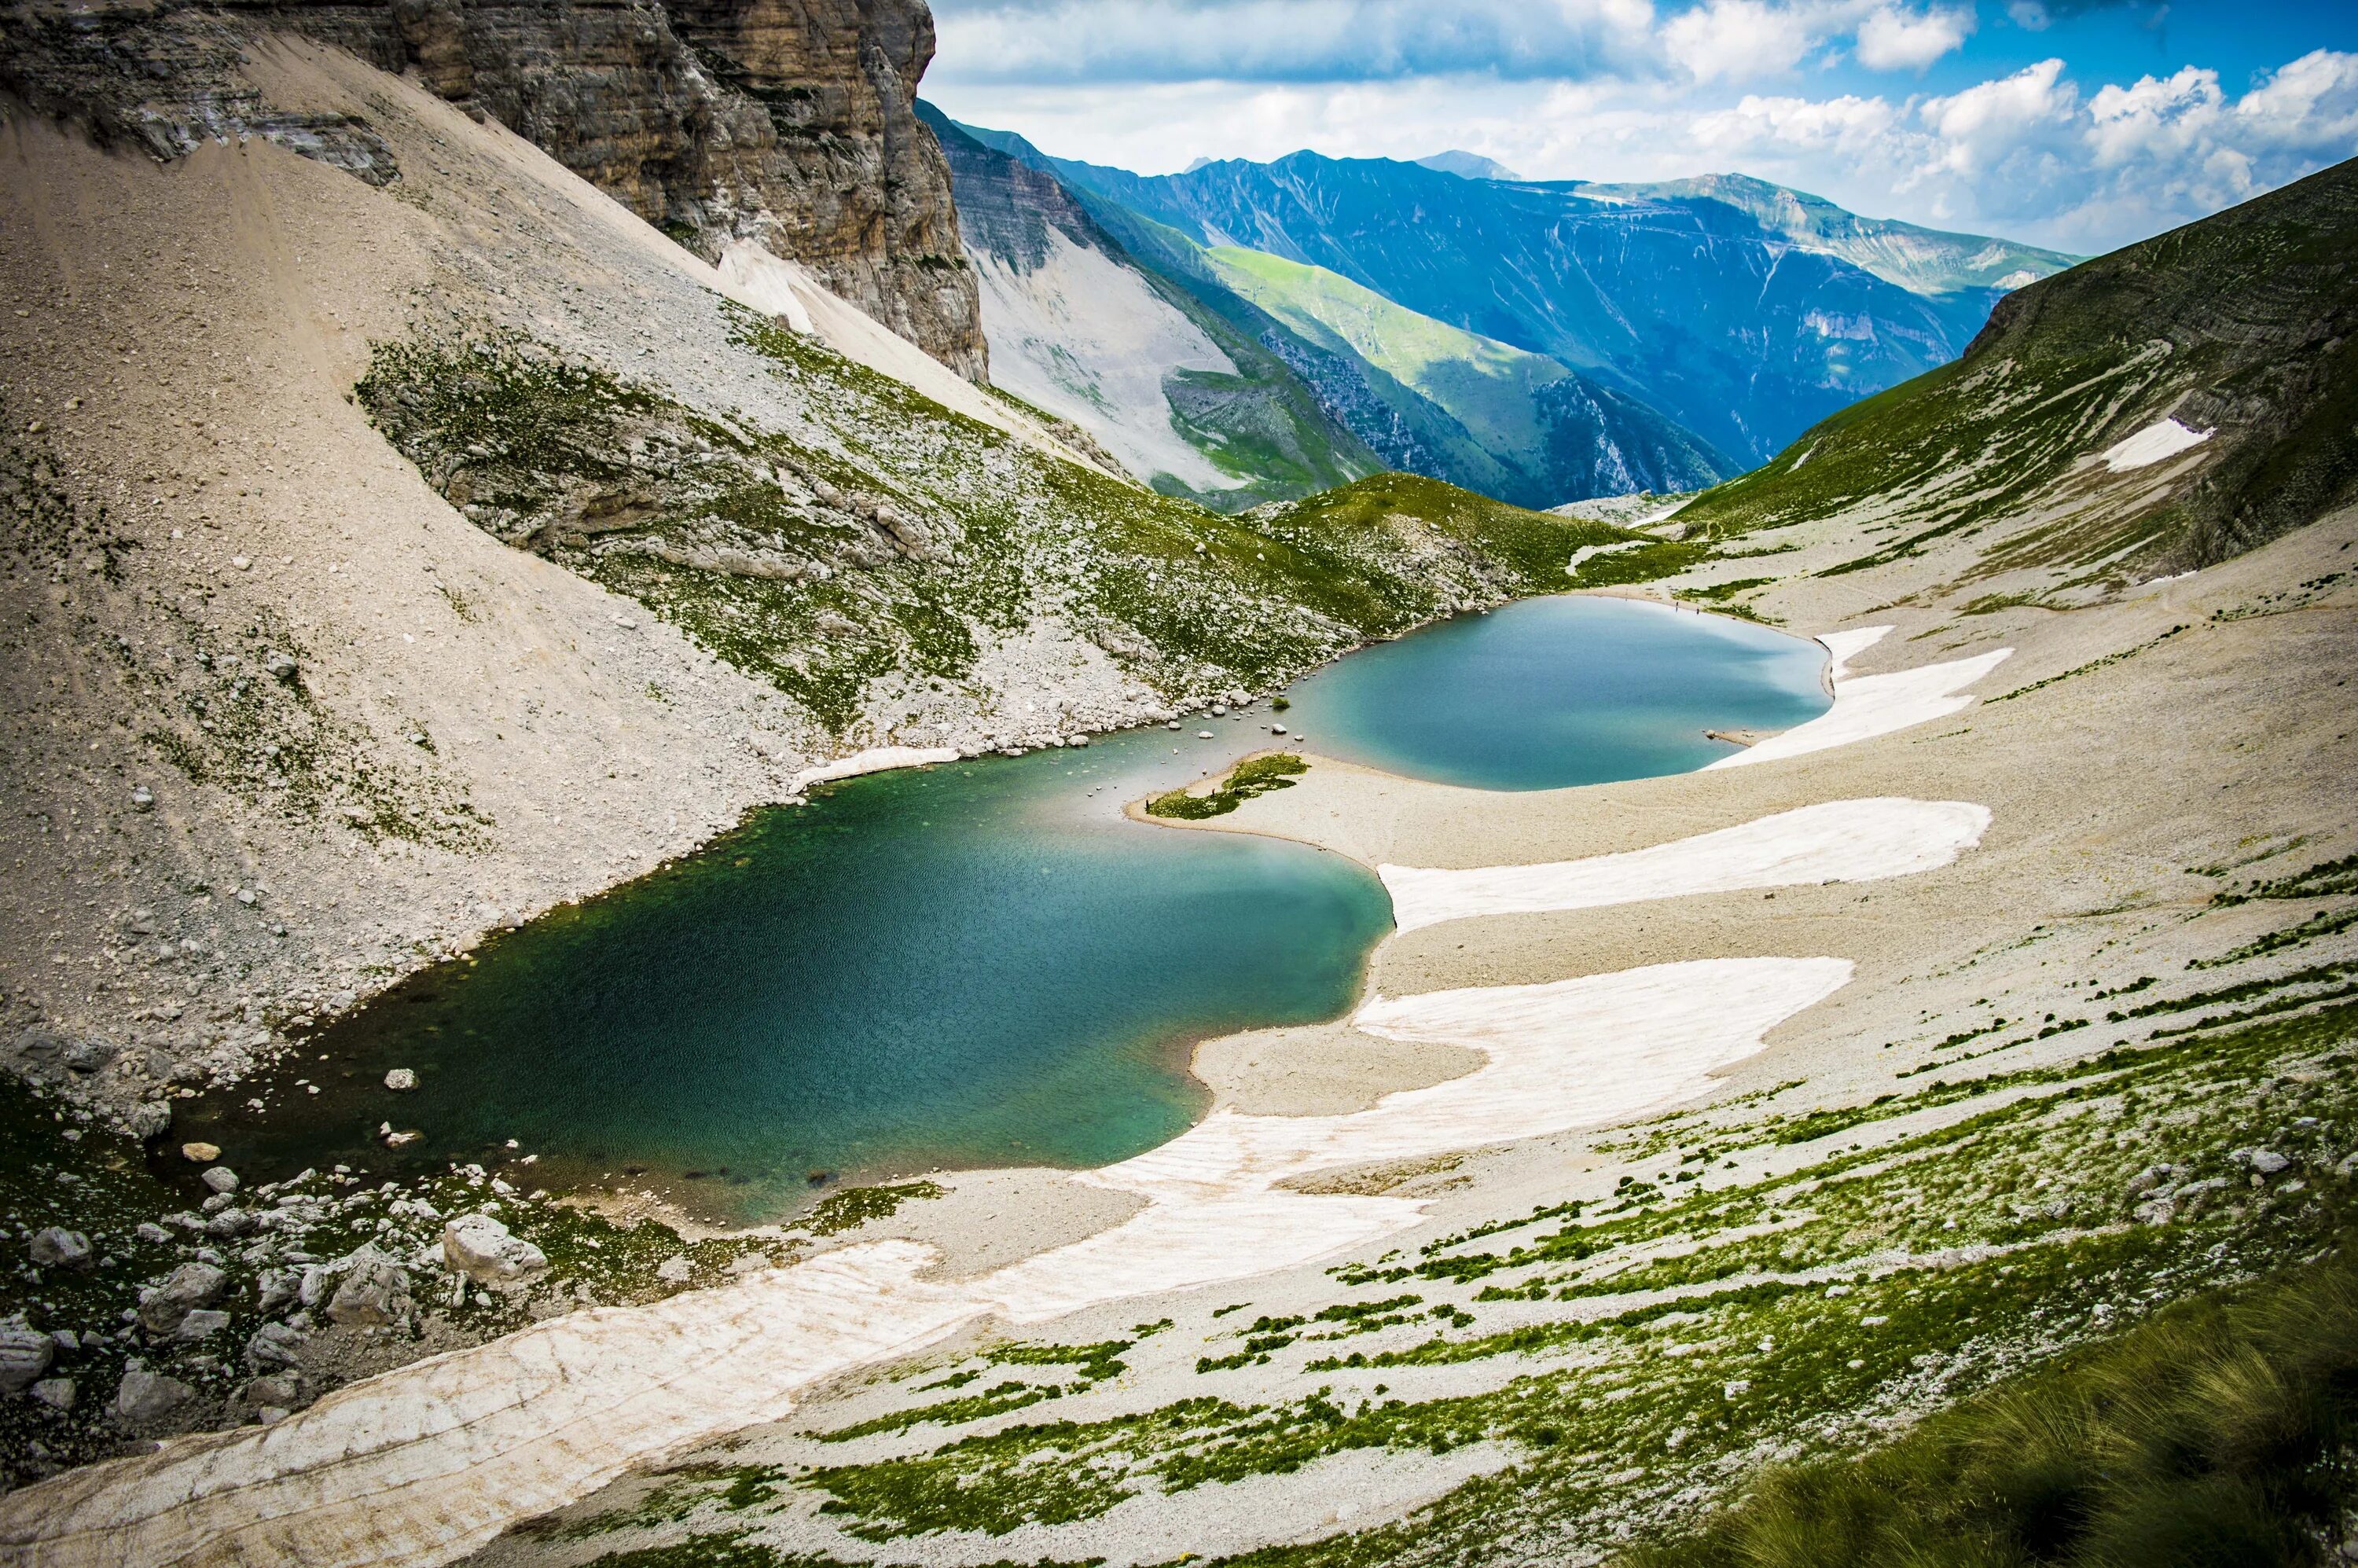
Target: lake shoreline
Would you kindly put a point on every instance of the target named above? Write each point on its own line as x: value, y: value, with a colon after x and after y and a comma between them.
x: 658, y: 1160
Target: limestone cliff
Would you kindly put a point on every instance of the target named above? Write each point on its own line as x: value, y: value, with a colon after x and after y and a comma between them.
x: 789, y: 122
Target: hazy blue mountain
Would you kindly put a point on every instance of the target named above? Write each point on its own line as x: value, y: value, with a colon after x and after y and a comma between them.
x: 1464, y: 166
x: 1744, y: 311
x: 1234, y: 376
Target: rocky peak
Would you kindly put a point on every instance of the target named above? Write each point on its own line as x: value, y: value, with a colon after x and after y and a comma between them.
x: 789, y: 122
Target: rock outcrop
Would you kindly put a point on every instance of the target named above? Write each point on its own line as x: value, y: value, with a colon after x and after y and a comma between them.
x: 788, y: 122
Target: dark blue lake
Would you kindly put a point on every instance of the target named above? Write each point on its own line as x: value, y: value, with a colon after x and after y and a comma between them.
x: 982, y: 963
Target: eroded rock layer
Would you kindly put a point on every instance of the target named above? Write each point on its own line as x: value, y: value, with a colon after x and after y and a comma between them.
x: 788, y: 122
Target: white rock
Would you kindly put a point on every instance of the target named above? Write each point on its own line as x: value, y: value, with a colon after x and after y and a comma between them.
x: 480, y: 1248
x: 374, y: 1292
x: 190, y: 1288
x: 202, y: 1323
x: 56, y: 1248
x: 221, y: 1179
x: 145, y: 1396
x: 25, y: 1355
x: 401, y: 1079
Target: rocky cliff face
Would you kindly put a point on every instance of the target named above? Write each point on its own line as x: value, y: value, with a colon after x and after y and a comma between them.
x: 785, y: 121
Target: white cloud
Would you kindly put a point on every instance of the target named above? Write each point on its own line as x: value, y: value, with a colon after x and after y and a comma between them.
x: 2155, y: 117
x: 1892, y: 39
x: 1987, y: 123
x: 1091, y: 42
x: 1797, y: 128
x: 1739, y: 39
x: 2312, y: 101
x: 1287, y: 40
x: 2033, y: 155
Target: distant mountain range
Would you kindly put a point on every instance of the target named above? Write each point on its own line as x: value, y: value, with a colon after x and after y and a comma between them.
x: 1246, y: 331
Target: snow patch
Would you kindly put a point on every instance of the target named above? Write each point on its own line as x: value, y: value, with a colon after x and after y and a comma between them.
x: 2162, y: 438
x: 426, y: 1463
x: 875, y: 760
x: 1868, y: 706
x: 1563, y: 1054
x: 1838, y: 841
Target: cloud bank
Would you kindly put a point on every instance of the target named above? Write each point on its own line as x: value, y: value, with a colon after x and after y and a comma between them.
x: 1828, y: 96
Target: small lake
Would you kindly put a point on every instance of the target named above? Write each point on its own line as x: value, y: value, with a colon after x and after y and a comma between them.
x: 983, y: 963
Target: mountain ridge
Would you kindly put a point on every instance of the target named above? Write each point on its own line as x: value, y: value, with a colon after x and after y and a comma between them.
x: 1682, y: 296
x: 1566, y: 435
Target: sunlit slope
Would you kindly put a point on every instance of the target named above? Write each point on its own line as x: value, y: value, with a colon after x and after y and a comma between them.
x: 2237, y: 328
x: 884, y: 542
x: 1524, y: 427
x: 1078, y: 328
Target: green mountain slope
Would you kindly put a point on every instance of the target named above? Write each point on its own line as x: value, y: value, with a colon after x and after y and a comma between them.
x: 1740, y: 310
x: 2238, y: 328
x: 1423, y: 397
x: 891, y: 542
x: 1079, y: 330
x: 1922, y: 261
x: 1510, y: 405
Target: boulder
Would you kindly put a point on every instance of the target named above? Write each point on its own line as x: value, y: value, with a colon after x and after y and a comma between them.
x: 89, y: 1055
x: 188, y: 1288
x: 480, y: 1248
x: 221, y: 1179
x: 148, y: 1118
x: 200, y: 1153
x: 278, y: 1288
x: 272, y: 1347
x: 2266, y: 1161
x: 202, y: 1323
x: 229, y: 1224
x: 281, y: 1391
x: 58, y: 1393
x: 56, y: 1248
x: 374, y: 1291
x: 144, y: 1396
x: 401, y: 1079
x: 25, y: 1355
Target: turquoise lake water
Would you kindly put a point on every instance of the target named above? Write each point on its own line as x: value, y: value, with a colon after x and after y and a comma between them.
x: 982, y: 963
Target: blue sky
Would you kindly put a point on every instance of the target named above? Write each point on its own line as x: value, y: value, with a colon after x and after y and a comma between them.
x: 2067, y: 123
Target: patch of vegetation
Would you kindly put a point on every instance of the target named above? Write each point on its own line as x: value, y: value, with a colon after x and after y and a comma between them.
x: 888, y: 535
x: 1659, y: 559
x: 2217, y: 321
x: 2327, y: 879
x: 1794, y: 1313
x: 2324, y: 923
x: 2219, y: 1433
x: 849, y: 1210
x: 1253, y: 776
x: 1713, y: 594
x: 1095, y: 1364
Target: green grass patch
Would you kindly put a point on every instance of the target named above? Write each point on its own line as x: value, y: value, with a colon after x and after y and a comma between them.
x: 1253, y: 776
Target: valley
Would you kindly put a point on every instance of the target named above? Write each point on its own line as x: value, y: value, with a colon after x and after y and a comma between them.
x: 750, y: 830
